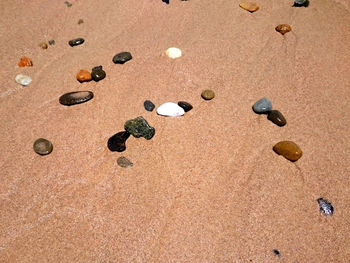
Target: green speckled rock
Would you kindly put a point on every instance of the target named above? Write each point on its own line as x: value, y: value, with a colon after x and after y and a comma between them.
x: 139, y: 127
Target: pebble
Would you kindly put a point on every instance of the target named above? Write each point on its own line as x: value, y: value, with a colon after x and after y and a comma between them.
x: 283, y: 28
x: 25, y: 62
x: 98, y: 73
x: 80, y: 21
x: 68, y: 4
x: 277, y: 118
x: 42, y: 146
x: 289, y: 150
x: 43, y: 45
x: 185, y: 105
x: 23, y: 79
x: 139, y: 127
x: 116, y: 143
x: 76, y: 42
x: 83, y: 75
x: 124, y: 162
x: 262, y: 106
x: 166, y: 1
x: 52, y: 42
x: 326, y: 207
x: 173, y: 52
x: 208, y: 94
x: 276, y: 252
x: 122, y: 57
x: 76, y: 97
x: 170, y: 109
x: 300, y: 3
x: 149, y: 106
x: 249, y: 6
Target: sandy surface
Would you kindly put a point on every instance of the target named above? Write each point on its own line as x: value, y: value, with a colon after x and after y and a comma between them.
x: 207, y: 187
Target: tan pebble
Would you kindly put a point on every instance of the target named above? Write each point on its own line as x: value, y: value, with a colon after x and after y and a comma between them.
x: 283, y: 28
x: 83, y: 75
x: 208, y: 94
x: 249, y: 6
x: 289, y: 150
x: 43, y: 45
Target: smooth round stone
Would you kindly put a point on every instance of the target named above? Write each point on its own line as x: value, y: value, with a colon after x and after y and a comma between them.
x: 22, y: 79
x: 326, y: 207
x: 76, y: 42
x: 277, y: 118
x: 43, y: 45
x: 149, y: 106
x: 139, y: 127
x: 170, y: 109
x: 185, y: 105
x: 25, y: 62
x: 76, y: 97
x: 124, y: 162
x: 84, y: 75
x: 283, y: 28
x: 263, y: 105
x: 289, y: 150
x: 208, y: 94
x: 122, y: 57
x: 173, y: 52
x: 98, y: 73
x: 249, y: 6
x: 116, y: 143
x: 42, y: 146
x: 300, y: 3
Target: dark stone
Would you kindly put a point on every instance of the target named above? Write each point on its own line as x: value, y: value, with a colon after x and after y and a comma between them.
x: 76, y: 97
x: 42, y: 146
x: 139, y: 127
x: 68, y: 4
x: 149, y: 106
x: 51, y: 42
x: 277, y: 118
x: 276, y: 252
x: 124, y: 162
x: 166, y: 1
x: 122, y: 57
x: 301, y: 3
x: 76, y: 42
x: 325, y: 206
x: 117, y: 142
x: 185, y: 105
x: 97, y: 73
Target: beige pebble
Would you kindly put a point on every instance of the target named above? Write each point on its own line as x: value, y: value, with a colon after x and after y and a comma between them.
x: 173, y: 52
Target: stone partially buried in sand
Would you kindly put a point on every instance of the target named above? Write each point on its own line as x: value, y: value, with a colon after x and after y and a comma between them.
x: 289, y: 150
x: 83, y: 76
x: 124, y: 162
x: 170, y: 109
x: 263, y: 105
x: 283, y: 28
x: 277, y: 118
x: 25, y: 62
x: 116, y: 143
x: 249, y: 6
x: 23, y: 80
x: 122, y: 57
x: 42, y: 146
x: 139, y: 127
x: 76, y: 97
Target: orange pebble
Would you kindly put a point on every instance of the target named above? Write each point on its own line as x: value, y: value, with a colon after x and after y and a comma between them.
x: 83, y: 75
x: 25, y: 62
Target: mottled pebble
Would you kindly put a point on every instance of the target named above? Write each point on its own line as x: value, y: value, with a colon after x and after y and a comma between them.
x: 52, y: 42
x: 43, y: 45
x: 80, y: 21
x: 68, y: 4
x: 139, y: 127
x: 249, y: 6
x: 116, y: 143
x: 22, y: 79
x: 173, y: 52
x: 98, y: 73
x: 76, y: 42
x: 300, y: 3
x: 185, y: 105
x: 263, y: 105
x: 289, y: 150
x: 122, y: 57
x: 277, y: 118
x: 149, y: 106
x: 170, y: 109
x: 76, y: 97
x: 208, y: 94
x: 25, y: 62
x: 42, y: 146
x: 124, y: 162
x: 283, y: 28
x: 276, y: 252
x: 83, y: 75
x: 326, y: 207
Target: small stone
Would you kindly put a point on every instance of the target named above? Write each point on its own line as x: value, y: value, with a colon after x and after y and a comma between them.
x: 52, y: 42
x: 98, y: 73
x: 149, y: 106
x: 122, y: 57
x: 116, y: 143
x: 249, y: 6
x: 75, y: 97
x: 289, y: 150
x: 208, y: 94
x: 68, y: 4
x: 83, y: 75
x: 166, y: 1
x: 326, y: 207
x: 263, y: 105
x: 23, y: 79
x: 80, y: 21
x: 76, y: 42
x: 139, y: 127
x: 277, y: 118
x: 276, y: 252
x: 25, y: 62
x: 300, y: 3
x: 185, y: 105
x: 173, y: 52
x: 283, y: 28
x: 170, y: 109
x: 124, y: 162
x: 43, y: 45
x: 42, y: 146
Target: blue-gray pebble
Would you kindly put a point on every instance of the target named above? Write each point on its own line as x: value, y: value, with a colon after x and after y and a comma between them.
x: 262, y: 106
x: 325, y: 206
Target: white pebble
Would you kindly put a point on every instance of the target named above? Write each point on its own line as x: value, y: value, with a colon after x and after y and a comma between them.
x: 173, y: 52
x: 23, y: 79
x: 170, y: 109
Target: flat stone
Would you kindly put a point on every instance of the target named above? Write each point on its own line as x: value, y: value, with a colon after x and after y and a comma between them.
x: 98, y: 73
x: 326, y: 207
x: 122, y: 57
x: 116, y: 143
x: 124, y: 162
x: 173, y: 52
x: 170, y: 109
x: 208, y: 94
x: 43, y: 45
x: 42, y: 146
x: 277, y: 118
x: 263, y: 105
x: 25, y: 62
x: 139, y: 127
x: 84, y: 75
x: 76, y: 42
x: 289, y: 150
x: 301, y: 3
x: 76, y: 97
x: 249, y: 6
x: 283, y: 28
x: 22, y: 79
x: 52, y: 42
x: 185, y: 105
x: 149, y: 106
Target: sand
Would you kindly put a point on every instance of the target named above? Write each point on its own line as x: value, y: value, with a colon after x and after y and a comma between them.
x: 207, y: 187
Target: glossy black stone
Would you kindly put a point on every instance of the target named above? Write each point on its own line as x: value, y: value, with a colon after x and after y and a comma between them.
x: 326, y: 207
x: 301, y: 3
x: 276, y: 252
x: 122, y: 57
x: 76, y: 97
x: 97, y: 73
x: 166, y: 1
x: 185, y: 105
x: 76, y: 42
x: 117, y: 142
x: 149, y: 106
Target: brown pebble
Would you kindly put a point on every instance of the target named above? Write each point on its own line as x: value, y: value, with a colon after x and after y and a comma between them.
x: 283, y: 28
x: 124, y: 162
x: 277, y: 118
x: 208, y: 94
x: 43, y: 45
x: 80, y: 21
x: 25, y: 62
x: 289, y: 150
x: 83, y: 75
x: 249, y: 6
x: 42, y: 146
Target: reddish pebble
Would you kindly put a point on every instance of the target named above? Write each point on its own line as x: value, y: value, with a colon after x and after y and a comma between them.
x: 25, y: 62
x: 83, y: 75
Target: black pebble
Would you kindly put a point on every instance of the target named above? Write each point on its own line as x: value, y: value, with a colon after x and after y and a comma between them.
x: 185, y: 105
x: 76, y: 42
x: 276, y: 252
x: 166, y: 1
x: 301, y: 3
x: 149, y: 106
x: 325, y: 206
x: 97, y: 73
x: 122, y: 57
x: 76, y: 97
x: 117, y: 142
